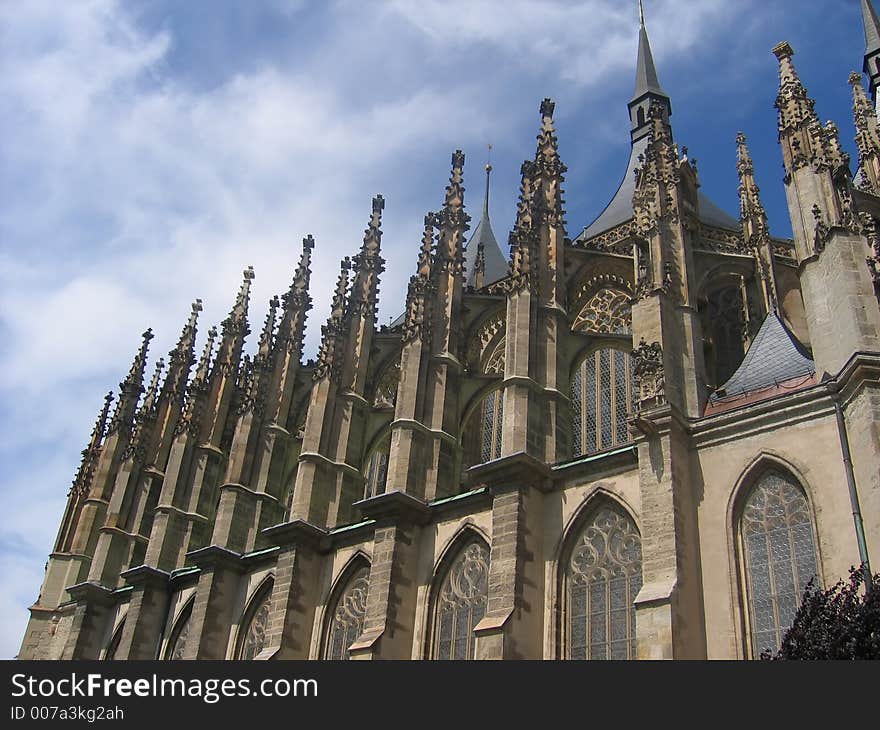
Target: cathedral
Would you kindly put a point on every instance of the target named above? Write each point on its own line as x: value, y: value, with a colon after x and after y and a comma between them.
x: 638, y: 439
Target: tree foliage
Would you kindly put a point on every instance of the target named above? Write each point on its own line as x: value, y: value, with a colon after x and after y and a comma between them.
x: 842, y: 622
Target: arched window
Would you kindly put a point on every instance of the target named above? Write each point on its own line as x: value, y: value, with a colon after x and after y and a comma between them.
x: 726, y: 324
x: 177, y: 643
x: 607, y: 312
x: 460, y: 602
x: 113, y: 646
x: 601, y: 399
x: 481, y: 436
x: 346, y: 614
x: 602, y: 575
x: 253, y: 633
x: 377, y: 469
x: 779, y: 556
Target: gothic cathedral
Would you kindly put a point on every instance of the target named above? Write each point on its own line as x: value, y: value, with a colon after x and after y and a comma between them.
x: 639, y: 440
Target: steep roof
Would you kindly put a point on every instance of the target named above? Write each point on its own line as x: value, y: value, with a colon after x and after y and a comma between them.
x: 647, y: 80
x: 872, y: 27
x: 620, y: 209
x: 775, y: 356
x: 495, y: 263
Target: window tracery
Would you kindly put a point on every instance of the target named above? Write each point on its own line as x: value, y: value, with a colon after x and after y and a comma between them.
x: 254, y: 640
x: 601, y: 400
x: 779, y: 552
x: 377, y: 469
x: 347, y: 615
x: 607, y: 312
x: 603, y: 575
x: 177, y: 644
x: 461, y: 602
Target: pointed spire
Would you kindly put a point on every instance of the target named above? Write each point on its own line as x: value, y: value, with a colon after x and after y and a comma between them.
x: 522, y: 236
x: 145, y: 418
x: 131, y: 388
x: 647, y: 81
x: 367, y: 265
x: 647, y: 88
x: 452, y: 219
x: 181, y: 358
x: 196, y: 390
x: 426, y: 252
x: 298, y: 295
x: 484, y: 262
x: 751, y: 207
x: 90, y: 453
x: 265, y: 345
x: 235, y: 328
x: 327, y: 361
x: 548, y: 170
x: 867, y: 136
x: 795, y: 106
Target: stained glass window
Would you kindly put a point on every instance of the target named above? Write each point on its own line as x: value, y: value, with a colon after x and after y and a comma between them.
x: 601, y: 399
x: 347, y: 615
x: 254, y: 636
x: 113, y: 647
x: 602, y: 577
x: 780, y: 556
x: 377, y: 470
x: 607, y: 312
x: 490, y: 429
x: 727, y: 327
x: 461, y: 602
x: 177, y: 644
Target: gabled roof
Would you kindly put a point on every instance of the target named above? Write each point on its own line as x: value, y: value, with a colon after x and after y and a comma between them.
x: 775, y: 356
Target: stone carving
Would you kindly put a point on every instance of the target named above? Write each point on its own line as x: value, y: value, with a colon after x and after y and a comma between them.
x: 647, y: 364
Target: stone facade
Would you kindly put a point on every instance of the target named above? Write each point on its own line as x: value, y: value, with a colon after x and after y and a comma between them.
x: 542, y: 463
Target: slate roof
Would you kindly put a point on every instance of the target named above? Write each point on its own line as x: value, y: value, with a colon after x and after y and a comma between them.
x: 620, y: 209
x: 495, y: 260
x: 775, y: 356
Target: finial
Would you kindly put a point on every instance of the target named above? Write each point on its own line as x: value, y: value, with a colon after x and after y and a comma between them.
x: 338, y: 306
x: 783, y: 50
x: 641, y: 15
x: 101, y: 423
x: 205, y: 359
x: 268, y: 327
x: 153, y: 388
x: 547, y: 108
x: 489, y: 159
x: 308, y: 243
x: 424, y: 266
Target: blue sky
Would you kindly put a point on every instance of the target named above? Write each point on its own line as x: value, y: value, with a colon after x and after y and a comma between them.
x: 152, y: 150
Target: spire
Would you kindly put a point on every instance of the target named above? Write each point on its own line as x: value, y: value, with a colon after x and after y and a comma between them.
x: 522, y: 236
x: 131, y: 388
x: 145, y: 418
x: 368, y: 264
x: 265, y: 345
x: 296, y: 303
x: 452, y: 219
x: 794, y: 104
x: 235, y: 328
x: 867, y: 137
x: 327, y: 361
x: 197, y: 388
x: 548, y: 170
x: 181, y: 358
x: 756, y: 230
x: 417, y: 293
x: 426, y: 252
x: 484, y: 261
x: 90, y: 453
x: 751, y: 208
x: 648, y: 86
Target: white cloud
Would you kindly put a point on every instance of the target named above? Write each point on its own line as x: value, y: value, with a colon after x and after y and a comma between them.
x: 130, y: 193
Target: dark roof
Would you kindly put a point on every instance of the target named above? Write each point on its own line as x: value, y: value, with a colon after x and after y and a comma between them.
x: 872, y: 27
x: 774, y: 356
x: 620, y: 209
x: 495, y: 261
x: 646, y: 72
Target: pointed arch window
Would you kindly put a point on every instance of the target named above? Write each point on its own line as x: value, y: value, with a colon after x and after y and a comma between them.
x: 607, y: 312
x: 461, y: 601
x: 253, y: 636
x: 177, y: 644
x: 726, y: 323
x: 346, y: 614
x: 113, y: 646
x: 492, y: 413
x: 377, y: 469
x: 779, y: 555
x: 601, y: 399
x: 602, y: 576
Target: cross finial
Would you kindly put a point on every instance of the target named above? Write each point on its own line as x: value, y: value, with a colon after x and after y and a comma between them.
x: 641, y: 14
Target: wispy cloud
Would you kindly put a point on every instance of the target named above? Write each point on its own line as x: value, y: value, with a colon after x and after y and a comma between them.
x: 148, y: 158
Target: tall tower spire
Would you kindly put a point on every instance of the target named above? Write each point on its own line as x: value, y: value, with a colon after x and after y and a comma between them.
x: 483, y: 259
x: 872, y: 46
x: 648, y: 88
